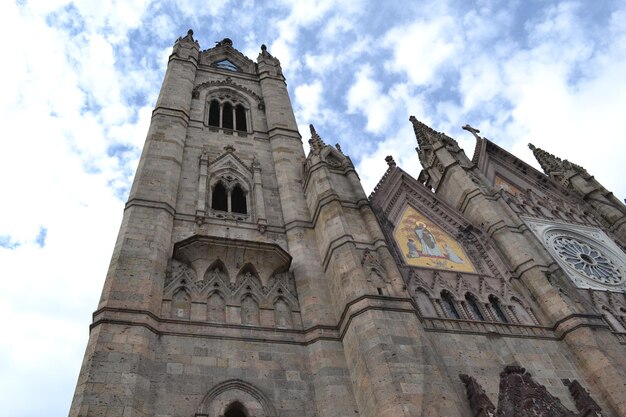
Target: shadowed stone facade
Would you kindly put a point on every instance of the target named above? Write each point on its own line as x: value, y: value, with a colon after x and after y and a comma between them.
x: 250, y: 279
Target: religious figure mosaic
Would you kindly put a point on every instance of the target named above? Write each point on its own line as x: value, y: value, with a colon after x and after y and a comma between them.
x: 425, y: 244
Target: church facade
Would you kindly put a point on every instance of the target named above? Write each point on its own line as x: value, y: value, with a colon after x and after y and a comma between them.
x: 250, y: 279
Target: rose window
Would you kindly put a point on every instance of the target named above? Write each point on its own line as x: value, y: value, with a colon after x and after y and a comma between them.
x: 587, y: 260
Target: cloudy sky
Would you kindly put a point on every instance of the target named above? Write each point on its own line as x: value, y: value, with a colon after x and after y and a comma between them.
x: 80, y: 78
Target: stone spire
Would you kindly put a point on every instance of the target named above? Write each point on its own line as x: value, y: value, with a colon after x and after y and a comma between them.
x: 549, y: 163
x: 422, y: 132
x: 425, y: 135
x: 316, y: 142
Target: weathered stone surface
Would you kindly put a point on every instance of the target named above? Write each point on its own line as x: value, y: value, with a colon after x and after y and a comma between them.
x: 251, y: 279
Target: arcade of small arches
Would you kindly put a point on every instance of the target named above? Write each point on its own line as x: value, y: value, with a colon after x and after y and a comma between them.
x: 246, y: 301
x: 469, y: 307
x: 228, y: 116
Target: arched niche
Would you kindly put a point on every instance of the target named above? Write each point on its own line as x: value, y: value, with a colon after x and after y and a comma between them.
x: 236, y: 395
x: 282, y: 314
x: 181, y: 304
x: 249, y: 310
x: 216, y: 308
x: 521, y: 313
x: 613, y: 320
x: 424, y: 303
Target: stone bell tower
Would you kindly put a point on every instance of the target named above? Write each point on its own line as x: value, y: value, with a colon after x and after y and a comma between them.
x: 246, y: 276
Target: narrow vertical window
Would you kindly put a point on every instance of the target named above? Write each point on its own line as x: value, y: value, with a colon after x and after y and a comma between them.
x: 472, y: 305
x: 227, y: 116
x: 238, y: 200
x: 219, y: 200
x: 240, y: 116
x: 448, y: 306
x: 214, y: 113
x: 495, y: 306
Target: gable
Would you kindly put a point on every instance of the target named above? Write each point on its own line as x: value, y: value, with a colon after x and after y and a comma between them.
x: 226, y: 58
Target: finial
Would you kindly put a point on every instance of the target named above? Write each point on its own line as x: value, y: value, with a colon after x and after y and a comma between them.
x: 390, y: 161
x: 229, y: 148
x: 531, y: 146
x: 338, y: 147
x: 188, y: 37
x: 263, y: 48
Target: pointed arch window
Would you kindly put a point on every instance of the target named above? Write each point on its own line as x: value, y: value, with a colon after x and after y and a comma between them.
x: 227, y: 116
x: 448, y: 306
x: 238, y: 200
x: 214, y: 113
x: 497, y: 310
x: 219, y: 198
x: 473, y: 308
x: 227, y: 113
x: 240, y: 118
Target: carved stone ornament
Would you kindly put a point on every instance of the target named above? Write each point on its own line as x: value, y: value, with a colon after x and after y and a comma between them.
x: 586, y: 254
x: 521, y: 396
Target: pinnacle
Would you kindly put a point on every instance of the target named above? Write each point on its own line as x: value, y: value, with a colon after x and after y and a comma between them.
x: 316, y: 141
x: 426, y: 135
x: 549, y: 163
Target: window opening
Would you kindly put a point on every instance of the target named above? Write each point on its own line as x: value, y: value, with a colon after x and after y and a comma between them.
x: 473, y: 307
x: 226, y: 65
x: 227, y: 116
x: 214, y: 113
x: 495, y: 305
x: 240, y: 117
x: 219, y: 200
x: 448, y: 306
x: 238, y: 200
x: 236, y: 409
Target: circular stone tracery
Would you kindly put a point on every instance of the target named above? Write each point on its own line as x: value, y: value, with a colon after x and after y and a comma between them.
x: 587, y: 260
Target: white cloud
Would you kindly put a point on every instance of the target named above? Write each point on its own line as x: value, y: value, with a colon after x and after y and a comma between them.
x: 421, y: 49
x: 82, y: 82
x: 366, y: 96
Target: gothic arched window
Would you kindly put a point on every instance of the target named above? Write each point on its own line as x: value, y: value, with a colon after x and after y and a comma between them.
x: 240, y: 118
x: 238, y: 200
x: 472, y: 305
x: 227, y: 113
x: 219, y: 198
x: 227, y: 116
x: 214, y: 113
x: 448, y: 306
x: 497, y: 310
